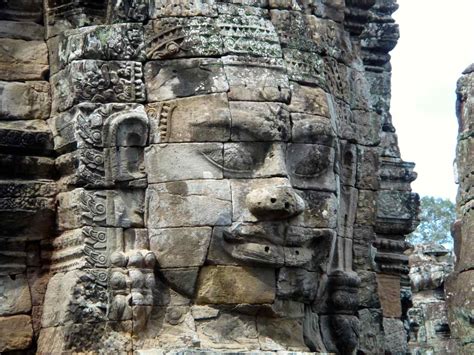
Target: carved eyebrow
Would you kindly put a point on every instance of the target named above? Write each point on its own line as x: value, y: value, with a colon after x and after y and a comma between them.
x: 242, y: 129
x: 232, y: 126
x: 274, y: 111
x: 221, y: 166
x: 226, y: 126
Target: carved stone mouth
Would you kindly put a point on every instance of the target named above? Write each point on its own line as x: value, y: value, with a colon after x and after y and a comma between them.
x: 265, y: 245
x: 258, y: 233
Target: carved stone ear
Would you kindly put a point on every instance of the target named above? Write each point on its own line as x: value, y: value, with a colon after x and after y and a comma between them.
x: 126, y: 129
x: 125, y: 136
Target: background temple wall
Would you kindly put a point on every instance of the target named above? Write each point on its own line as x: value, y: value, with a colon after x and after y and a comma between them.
x: 459, y: 287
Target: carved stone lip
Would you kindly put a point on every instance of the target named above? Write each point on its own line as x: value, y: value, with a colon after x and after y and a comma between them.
x: 265, y: 245
x: 260, y: 232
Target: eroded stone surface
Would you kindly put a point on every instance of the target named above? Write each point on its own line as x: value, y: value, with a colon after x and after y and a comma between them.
x: 196, y: 119
x: 97, y: 81
x: 235, y: 285
x: 28, y: 31
x: 430, y: 266
x: 16, y: 333
x: 256, y: 79
x: 180, y: 247
x: 15, y: 294
x: 186, y: 77
x: 190, y: 161
x: 190, y: 203
x: 395, y: 336
x: 25, y: 101
x: 459, y: 284
x: 23, y: 60
x: 389, y: 291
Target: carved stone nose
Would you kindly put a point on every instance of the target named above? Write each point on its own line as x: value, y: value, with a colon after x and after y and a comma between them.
x: 274, y: 202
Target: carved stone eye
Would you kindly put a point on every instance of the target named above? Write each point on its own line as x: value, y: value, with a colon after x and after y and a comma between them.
x: 311, y: 166
x: 238, y: 159
x: 308, y: 161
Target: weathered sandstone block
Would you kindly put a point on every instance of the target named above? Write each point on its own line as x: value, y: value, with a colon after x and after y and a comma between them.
x: 25, y: 101
x: 28, y: 31
x: 256, y: 79
x: 167, y: 8
x: 189, y: 203
x: 16, y: 295
x: 180, y: 247
x: 275, y: 127
x: 312, y: 129
x: 231, y: 285
x: 16, y: 333
x: 237, y: 331
x: 389, y: 292
x: 188, y: 161
x: 309, y: 100
x: 26, y: 136
x: 185, y: 77
x: 395, y: 336
x: 458, y: 298
x: 23, y: 60
x: 81, y: 207
x: 115, y: 42
x: 97, y: 81
x: 203, y: 118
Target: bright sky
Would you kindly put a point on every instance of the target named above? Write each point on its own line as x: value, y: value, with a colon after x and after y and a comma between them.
x: 436, y: 44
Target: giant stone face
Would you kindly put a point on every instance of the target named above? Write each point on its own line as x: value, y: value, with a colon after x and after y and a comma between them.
x: 263, y: 196
x: 200, y: 175
x: 249, y: 200
x: 243, y: 204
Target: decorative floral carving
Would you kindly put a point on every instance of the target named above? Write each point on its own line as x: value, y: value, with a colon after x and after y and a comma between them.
x: 93, y: 206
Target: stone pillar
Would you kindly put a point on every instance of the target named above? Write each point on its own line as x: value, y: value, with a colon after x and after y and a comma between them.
x: 396, y: 207
x: 460, y: 285
x: 103, y: 272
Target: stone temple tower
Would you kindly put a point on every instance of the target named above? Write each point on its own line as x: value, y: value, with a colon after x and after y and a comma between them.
x: 201, y: 176
x: 460, y: 285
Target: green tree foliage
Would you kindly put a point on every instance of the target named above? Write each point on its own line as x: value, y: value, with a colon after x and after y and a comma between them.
x: 436, y: 216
